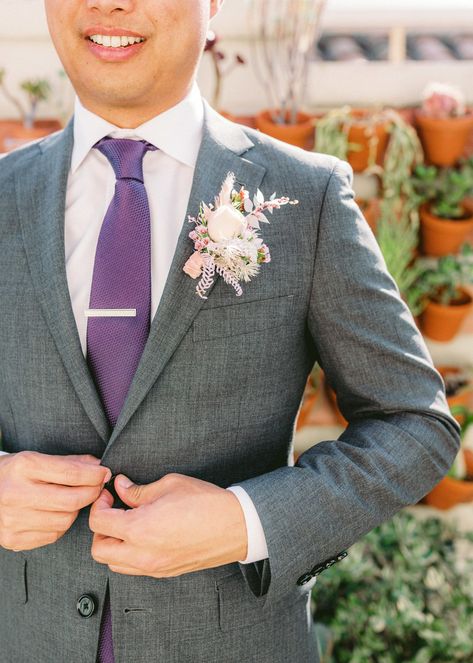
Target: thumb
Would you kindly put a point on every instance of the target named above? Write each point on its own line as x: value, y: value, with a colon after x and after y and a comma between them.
x: 133, y: 494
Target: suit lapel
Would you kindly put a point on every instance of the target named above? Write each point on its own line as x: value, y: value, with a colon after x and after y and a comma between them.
x: 41, y: 195
x: 41, y: 192
x: 220, y: 152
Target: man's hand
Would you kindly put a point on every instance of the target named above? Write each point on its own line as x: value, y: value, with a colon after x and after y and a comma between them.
x: 176, y: 525
x: 41, y: 495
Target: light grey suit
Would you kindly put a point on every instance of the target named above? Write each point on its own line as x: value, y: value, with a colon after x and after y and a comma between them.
x: 215, y: 396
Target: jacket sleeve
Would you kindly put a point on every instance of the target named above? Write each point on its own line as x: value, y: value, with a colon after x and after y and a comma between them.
x: 401, y: 439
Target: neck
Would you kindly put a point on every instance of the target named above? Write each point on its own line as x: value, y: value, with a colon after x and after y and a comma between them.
x: 129, y: 116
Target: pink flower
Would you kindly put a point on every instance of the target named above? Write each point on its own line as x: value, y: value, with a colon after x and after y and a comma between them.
x: 205, y: 241
x: 194, y: 264
x: 199, y: 244
x: 193, y: 235
x: 201, y: 229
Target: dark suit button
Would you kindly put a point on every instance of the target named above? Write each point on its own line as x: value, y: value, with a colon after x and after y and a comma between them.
x: 304, y: 579
x: 86, y: 605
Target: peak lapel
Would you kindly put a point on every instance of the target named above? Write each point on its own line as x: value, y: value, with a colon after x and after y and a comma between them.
x: 41, y: 194
x: 220, y: 152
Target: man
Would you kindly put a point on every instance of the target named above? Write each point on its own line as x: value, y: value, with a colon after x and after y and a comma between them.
x: 214, y: 539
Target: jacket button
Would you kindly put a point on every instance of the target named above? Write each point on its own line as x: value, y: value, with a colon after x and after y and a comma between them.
x: 86, y: 605
x: 304, y: 579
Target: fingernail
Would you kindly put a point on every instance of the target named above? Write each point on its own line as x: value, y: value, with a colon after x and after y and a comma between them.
x: 123, y: 482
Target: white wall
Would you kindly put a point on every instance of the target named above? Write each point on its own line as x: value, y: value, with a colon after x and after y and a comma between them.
x: 26, y: 52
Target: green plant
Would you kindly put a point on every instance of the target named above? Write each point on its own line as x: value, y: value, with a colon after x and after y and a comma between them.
x: 402, y: 596
x: 403, y: 150
x: 439, y: 279
x: 37, y: 90
x: 444, y: 188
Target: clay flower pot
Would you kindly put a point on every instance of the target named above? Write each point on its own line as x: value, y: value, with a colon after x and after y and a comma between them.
x: 300, y: 134
x: 440, y: 322
x: 332, y: 396
x: 458, y: 388
x: 449, y: 492
x: 361, y: 132
x: 443, y: 236
x: 246, y: 120
x: 444, y: 139
x: 311, y: 395
x: 371, y: 210
x: 14, y: 134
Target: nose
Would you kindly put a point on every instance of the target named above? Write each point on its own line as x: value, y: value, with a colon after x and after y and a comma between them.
x: 110, y: 6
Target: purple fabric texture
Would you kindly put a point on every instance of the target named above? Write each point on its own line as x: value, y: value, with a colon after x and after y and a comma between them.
x: 121, y: 280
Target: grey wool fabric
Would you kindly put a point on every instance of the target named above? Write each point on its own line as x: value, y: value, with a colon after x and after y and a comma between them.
x: 215, y: 396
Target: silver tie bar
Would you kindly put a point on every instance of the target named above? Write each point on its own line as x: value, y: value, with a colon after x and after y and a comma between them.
x: 110, y: 313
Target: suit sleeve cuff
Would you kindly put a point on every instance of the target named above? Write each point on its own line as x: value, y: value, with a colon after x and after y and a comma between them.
x: 257, y: 548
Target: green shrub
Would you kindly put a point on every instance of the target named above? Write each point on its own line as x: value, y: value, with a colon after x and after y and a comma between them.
x: 401, y: 596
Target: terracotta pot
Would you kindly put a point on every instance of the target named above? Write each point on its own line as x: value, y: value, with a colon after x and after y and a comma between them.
x: 13, y: 134
x: 462, y: 388
x: 441, y: 323
x: 444, y: 140
x: 246, y: 120
x: 360, y: 134
x: 371, y: 210
x: 300, y: 134
x: 311, y: 395
x: 439, y: 236
x: 449, y: 492
x: 332, y: 396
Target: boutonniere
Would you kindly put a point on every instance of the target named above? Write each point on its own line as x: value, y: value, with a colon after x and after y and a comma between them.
x: 226, y: 237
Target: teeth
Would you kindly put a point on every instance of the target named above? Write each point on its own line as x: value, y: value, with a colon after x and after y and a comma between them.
x: 116, y: 41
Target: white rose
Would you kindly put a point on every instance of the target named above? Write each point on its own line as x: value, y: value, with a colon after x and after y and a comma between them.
x: 225, y: 223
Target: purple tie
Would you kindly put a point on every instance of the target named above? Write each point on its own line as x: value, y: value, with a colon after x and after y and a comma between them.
x: 120, y: 299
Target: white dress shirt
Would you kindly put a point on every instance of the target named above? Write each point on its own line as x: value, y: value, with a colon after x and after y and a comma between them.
x: 168, y: 174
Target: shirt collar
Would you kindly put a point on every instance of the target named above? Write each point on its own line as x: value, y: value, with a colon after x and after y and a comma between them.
x: 177, y: 131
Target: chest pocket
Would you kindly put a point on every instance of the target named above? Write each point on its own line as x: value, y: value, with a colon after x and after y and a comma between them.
x: 242, y: 318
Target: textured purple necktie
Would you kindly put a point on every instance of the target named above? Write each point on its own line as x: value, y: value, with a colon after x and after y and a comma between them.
x: 120, y: 299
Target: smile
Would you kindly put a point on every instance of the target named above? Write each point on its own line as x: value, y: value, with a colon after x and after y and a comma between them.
x: 115, y: 41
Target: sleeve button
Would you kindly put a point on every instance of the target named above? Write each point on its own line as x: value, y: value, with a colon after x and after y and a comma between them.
x: 304, y: 578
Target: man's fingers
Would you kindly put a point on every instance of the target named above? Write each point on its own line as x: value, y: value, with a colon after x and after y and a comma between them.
x: 29, y: 540
x: 62, y: 470
x: 49, y: 497
x: 126, y: 570
x: 108, y: 550
x: 33, y: 520
x: 105, y: 520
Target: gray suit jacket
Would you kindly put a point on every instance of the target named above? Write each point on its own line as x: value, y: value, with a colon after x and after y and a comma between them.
x: 215, y: 396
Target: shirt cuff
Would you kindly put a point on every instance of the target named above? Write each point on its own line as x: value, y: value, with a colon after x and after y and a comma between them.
x: 5, y: 453
x: 257, y: 548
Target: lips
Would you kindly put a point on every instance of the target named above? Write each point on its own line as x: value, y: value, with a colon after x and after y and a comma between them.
x: 113, y: 44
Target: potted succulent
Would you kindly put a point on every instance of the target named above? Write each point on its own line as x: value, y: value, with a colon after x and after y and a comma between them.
x: 283, y: 44
x: 439, y: 294
x: 14, y: 133
x: 444, y: 123
x: 355, y: 135
x: 457, y: 486
x: 366, y: 138
x: 403, y: 594
x: 445, y: 217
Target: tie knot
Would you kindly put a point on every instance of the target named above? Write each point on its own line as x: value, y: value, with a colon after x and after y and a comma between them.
x: 125, y: 156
